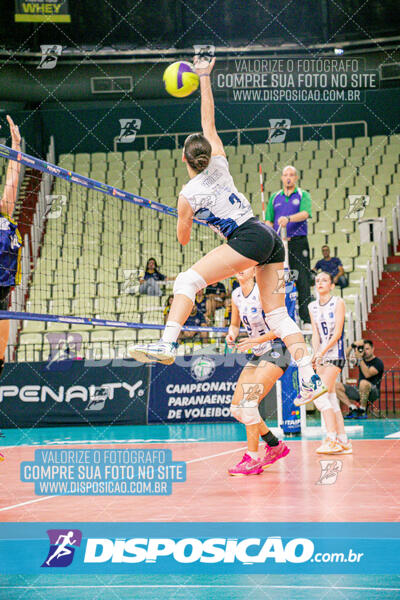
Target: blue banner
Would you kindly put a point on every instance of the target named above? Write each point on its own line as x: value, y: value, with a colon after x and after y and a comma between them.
x: 290, y: 386
x: 195, y: 548
x: 194, y: 389
x: 73, y: 392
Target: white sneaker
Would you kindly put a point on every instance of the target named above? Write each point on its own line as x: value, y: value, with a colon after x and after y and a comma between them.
x: 307, y: 327
x: 310, y: 390
x: 347, y: 448
x: 162, y: 352
x: 329, y: 446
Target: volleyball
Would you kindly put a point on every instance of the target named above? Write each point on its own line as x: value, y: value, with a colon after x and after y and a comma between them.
x: 180, y: 80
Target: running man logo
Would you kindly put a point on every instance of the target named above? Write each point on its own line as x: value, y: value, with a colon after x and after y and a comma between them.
x: 63, y: 543
x: 98, y: 397
x: 50, y: 56
x: 330, y: 470
x: 286, y: 280
x: 278, y: 129
x: 203, y: 54
x: 252, y: 392
x: 129, y: 129
x: 54, y: 205
x: 131, y: 284
x: 357, y: 207
x: 64, y: 349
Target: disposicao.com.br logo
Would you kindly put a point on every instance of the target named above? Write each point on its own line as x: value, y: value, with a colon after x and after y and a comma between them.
x: 211, y: 550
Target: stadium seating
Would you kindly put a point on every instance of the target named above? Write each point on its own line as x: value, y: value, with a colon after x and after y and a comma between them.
x: 88, y: 251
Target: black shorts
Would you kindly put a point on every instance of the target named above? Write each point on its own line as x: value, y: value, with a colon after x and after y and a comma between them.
x: 4, y: 296
x: 336, y: 362
x: 353, y: 394
x: 257, y: 241
x: 278, y: 356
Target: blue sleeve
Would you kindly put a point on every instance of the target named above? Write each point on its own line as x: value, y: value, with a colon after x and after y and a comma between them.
x: 338, y: 262
x: 317, y: 266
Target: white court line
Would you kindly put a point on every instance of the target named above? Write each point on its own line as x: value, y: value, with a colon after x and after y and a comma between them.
x: 57, y: 496
x: 175, y: 586
x: 28, y: 502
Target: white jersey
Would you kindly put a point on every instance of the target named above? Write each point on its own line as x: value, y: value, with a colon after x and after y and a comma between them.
x: 215, y: 199
x: 252, y: 316
x: 324, y: 317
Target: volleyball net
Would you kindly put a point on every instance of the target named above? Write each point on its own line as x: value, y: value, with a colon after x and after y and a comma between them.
x: 85, y: 248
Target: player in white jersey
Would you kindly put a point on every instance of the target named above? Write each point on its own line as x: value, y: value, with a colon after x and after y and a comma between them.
x: 327, y: 320
x: 212, y: 197
x: 266, y: 365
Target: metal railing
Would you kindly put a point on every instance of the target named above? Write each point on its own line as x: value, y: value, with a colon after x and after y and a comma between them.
x: 240, y: 132
x: 390, y: 393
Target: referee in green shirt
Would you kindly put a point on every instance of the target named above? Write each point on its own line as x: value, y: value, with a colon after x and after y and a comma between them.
x: 290, y: 207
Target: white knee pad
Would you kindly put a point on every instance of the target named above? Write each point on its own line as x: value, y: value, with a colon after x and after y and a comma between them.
x: 334, y: 402
x: 189, y: 283
x: 246, y: 413
x: 280, y: 323
x: 322, y: 403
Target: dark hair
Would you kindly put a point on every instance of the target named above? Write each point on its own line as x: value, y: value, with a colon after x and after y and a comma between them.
x: 326, y: 273
x: 325, y: 246
x: 168, y: 299
x: 370, y: 342
x: 197, y: 151
x: 155, y: 265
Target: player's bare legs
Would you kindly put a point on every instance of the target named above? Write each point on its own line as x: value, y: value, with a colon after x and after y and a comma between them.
x: 329, y: 374
x: 253, y: 385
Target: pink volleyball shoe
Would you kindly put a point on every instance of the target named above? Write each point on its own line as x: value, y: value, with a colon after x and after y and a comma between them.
x: 247, y: 466
x: 273, y: 453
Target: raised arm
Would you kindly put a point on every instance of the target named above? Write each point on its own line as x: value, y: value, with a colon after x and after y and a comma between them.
x: 207, y: 108
x: 9, y: 198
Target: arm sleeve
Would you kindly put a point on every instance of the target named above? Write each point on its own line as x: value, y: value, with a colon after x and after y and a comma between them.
x: 269, y: 211
x: 317, y: 265
x: 305, y: 203
x: 161, y: 277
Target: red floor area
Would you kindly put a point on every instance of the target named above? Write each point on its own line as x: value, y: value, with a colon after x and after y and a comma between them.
x: 367, y: 489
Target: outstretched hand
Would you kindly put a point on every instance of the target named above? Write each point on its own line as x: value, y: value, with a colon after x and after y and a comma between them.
x: 245, y: 345
x: 15, y: 134
x: 199, y: 65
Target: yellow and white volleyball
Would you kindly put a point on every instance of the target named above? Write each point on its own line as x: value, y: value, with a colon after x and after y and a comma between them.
x: 180, y: 79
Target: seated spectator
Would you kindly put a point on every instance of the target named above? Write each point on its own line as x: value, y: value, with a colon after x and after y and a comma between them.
x: 150, y: 284
x: 228, y: 312
x: 215, y: 296
x: 167, y: 307
x: 333, y: 265
x: 201, y: 303
x: 370, y: 373
x: 195, y: 319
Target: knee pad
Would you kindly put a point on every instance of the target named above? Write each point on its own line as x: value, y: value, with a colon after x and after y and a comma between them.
x: 280, y: 323
x: 334, y: 402
x: 189, y: 283
x: 246, y: 413
x: 322, y: 403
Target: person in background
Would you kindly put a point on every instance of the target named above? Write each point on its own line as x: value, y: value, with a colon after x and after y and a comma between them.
x: 370, y: 373
x: 10, y: 239
x: 333, y: 265
x: 167, y: 307
x: 150, y: 283
x: 215, y: 296
x: 290, y: 207
x: 195, y: 319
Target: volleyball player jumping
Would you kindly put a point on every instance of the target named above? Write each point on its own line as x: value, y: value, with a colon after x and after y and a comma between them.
x: 211, y: 196
x: 327, y: 320
x: 266, y: 365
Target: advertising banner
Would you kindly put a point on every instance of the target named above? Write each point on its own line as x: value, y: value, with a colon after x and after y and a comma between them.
x: 86, y: 392
x: 40, y: 11
x: 194, y: 389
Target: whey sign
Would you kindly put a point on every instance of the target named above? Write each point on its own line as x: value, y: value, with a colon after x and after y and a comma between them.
x: 45, y: 11
x: 33, y: 395
x: 194, y: 389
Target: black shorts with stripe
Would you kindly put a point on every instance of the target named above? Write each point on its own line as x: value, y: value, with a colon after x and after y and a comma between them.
x: 257, y: 241
x: 278, y: 355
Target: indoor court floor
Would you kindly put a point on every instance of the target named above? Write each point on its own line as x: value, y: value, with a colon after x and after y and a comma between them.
x: 366, y: 490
